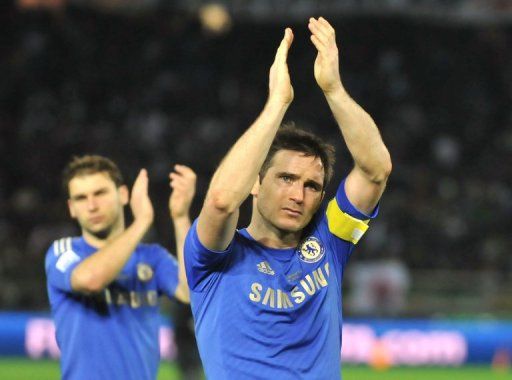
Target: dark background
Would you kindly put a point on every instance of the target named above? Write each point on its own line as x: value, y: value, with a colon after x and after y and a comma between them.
x: 156, y: 86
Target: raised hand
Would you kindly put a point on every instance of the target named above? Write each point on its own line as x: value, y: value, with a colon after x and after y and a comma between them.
x: 280, y: 87
x: 183, y: 184
x: 141, y: 206
x: 327, y: 71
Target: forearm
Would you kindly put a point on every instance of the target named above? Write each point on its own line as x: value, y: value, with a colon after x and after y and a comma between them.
x: 237, y: 173
x: 102, y: 267
x: 361, y: 136
x: 181, y: 227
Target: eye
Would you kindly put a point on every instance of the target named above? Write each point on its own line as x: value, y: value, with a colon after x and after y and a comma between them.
x: 101, y: 192
x: 313, y: 186
x: 286, y: 178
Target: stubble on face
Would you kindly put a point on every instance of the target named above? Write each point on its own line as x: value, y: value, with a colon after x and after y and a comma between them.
x: 103, y: 215
x: 289, y: 194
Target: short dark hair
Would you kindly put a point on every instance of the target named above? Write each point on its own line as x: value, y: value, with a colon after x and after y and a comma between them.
x: 290, y: 137
x: 90, y: 164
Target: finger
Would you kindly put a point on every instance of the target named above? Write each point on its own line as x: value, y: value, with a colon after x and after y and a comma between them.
x: 326, y: 24
x: 174, y: 175
x: 318, y: 30
x: 188, y: 173
x: 141, y: 183
x: 177, y: 180
x: 180, y: 168
x: 142, y: 177
x: 177, y: 170
x: 178, y: 175
x: 142, y: 173
x: 176, y: 184
x: 185, y: 182
x: 318, y: 44
x: 181, y: 183
x: 184, y: 171
x: 284, y: 46
x: 288, y: 35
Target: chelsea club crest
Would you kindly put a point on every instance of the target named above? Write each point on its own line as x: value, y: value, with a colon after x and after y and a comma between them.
x: 144, y: 272
x: 311, y: 250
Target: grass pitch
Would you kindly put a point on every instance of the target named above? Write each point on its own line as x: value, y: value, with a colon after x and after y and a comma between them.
x: 23, y: 369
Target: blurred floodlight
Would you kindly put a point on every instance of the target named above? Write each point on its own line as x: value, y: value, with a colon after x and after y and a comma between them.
x: 215, y: 18
x: 38, y: 4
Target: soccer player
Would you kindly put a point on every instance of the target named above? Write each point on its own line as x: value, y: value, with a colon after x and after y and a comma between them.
x: 104, y: 286
x: 266, y: 299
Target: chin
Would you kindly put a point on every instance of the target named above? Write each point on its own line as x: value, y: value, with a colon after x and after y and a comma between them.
x: 100, y: 232
x: 291, y: 226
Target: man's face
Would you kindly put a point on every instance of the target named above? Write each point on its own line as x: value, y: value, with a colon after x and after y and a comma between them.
x: 291, y: 190
x: 96, y: 203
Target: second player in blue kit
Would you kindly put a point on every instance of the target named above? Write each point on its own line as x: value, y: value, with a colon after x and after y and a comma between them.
x: 104, y: 286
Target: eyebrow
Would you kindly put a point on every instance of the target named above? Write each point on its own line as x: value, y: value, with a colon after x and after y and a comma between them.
x: 295, y: 176
x: 288, y: 174
x: 82, y: 195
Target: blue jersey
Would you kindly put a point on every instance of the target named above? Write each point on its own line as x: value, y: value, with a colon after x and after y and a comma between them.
x: 264, y: 313
x: 113, y: 334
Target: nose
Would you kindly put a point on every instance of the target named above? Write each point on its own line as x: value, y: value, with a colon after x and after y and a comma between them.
x: 91, y: 204
x: 297, y: 193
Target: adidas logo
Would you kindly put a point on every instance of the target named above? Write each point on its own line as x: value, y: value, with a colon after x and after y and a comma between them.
x: 264, y: 267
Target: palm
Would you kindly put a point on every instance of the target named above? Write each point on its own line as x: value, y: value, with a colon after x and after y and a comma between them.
x: 280, y: 84
x: 280, y: 87
x: 326, y: 67
x: 183, y: 184
x: 179, y: 203
x: 139, y: 202
x: 319, y: 71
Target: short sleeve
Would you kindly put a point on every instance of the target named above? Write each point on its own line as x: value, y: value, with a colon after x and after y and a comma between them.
x: 60, y: 262
x: 199, y: 260
x: 344, y: 220
x: 166, y: 271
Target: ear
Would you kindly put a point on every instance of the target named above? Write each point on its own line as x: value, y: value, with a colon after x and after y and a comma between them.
x: 124, y: 194
x: 256, y: 187
x: 71, y: 209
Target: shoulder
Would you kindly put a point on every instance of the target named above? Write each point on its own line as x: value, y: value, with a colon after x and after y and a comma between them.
x: 63, y: 245
x: 63, y: 252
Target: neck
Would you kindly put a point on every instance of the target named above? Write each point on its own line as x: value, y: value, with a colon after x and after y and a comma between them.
x: 100, y: 241
x: 270, y: 236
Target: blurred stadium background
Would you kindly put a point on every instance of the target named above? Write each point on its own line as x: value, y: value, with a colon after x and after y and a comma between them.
x: 151, y: 83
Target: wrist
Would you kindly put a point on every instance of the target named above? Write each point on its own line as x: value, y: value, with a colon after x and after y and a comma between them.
x: 179, y: 218
x: 278, y: 100
x: 142, y: 224
x: 336, y: 91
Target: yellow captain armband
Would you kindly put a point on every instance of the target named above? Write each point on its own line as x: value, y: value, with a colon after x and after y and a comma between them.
x: 343, y: 225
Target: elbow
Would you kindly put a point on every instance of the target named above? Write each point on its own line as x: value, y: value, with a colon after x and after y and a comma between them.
x: 222, y: 201
x: 387, y: 169
x: 381, y: 174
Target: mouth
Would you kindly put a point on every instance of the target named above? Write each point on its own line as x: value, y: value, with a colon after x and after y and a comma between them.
x: 292, y: 212
x: 96, y: 219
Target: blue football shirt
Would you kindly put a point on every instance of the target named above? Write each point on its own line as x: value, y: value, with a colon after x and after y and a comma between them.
x: 264, y: 313
x: 113, y: 334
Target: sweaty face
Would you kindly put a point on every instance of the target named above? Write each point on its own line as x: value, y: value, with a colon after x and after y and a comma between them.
x: 291, y: 190
x: 97, y: 204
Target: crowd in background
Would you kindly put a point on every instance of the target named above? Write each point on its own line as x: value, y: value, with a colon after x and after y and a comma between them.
x: 158, y: 89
